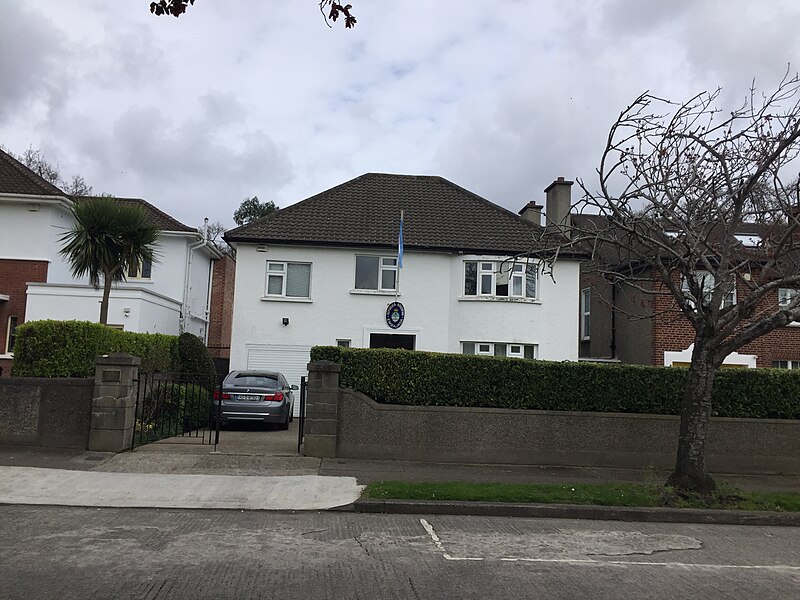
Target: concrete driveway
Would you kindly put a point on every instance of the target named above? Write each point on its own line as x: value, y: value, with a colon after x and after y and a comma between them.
x: 244, y: 449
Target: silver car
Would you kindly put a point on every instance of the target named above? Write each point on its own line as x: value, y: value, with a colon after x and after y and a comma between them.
x: 263, y: 396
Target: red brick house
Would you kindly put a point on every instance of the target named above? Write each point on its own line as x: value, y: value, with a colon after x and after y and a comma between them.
x: 621, y: 323
x: 221, y: 314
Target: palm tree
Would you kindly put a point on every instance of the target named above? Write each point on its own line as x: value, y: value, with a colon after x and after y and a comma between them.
x: 106, y: 238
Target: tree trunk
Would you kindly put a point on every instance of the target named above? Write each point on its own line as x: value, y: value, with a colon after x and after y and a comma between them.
x: 104, y: 302
x: 690, y: 468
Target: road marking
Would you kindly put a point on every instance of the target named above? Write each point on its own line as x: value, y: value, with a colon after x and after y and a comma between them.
x: 429, y: 528
x: 614, y: 563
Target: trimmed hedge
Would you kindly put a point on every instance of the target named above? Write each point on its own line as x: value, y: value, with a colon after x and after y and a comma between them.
x: 192, y: 356
x: 68, y: 348
x: 433, y: 379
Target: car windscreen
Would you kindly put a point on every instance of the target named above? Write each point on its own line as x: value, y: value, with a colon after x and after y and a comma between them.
x: 255, y: 381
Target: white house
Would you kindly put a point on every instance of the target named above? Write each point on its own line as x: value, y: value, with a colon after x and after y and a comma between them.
x: 324, y: 271
x: 169, y: 296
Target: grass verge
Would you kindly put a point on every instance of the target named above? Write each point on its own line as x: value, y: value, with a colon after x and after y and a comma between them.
x: 602, y: 494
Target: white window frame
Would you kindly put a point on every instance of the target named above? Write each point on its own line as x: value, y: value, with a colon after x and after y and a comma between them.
x: 586, y: 312
x: 7, y: 349
x: 343, y: 343
x: 517, y: 270
x: 520, y: 353
x: 139, y: 270
x: 284, y: 275
x: 709, y: 282
x: 785, y: 295
x: 491, y: 272
x: 790, y: 364
x: 384, y: 264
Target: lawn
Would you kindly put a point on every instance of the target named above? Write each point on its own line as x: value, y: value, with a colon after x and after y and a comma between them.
x: 602, y: 494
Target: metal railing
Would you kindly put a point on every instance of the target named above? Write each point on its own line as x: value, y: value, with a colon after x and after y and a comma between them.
x: 176, y: 405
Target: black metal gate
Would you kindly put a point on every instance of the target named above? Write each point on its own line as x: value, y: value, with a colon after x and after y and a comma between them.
x: 302, y: 417
x: 170, y: 405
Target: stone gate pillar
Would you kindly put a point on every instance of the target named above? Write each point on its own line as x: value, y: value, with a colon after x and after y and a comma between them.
x: 322, y: 407
x: 114, y: 402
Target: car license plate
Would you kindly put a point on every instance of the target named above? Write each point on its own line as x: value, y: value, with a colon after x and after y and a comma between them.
x: 247, y: 398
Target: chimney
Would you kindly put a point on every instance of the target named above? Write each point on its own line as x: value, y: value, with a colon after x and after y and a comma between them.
x: 532, y: 212
x: 559, y: 203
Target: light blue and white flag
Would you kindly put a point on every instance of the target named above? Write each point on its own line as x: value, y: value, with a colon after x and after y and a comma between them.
x: 400, y: 244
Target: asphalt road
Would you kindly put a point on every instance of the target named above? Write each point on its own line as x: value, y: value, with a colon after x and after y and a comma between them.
x: 61, y: 552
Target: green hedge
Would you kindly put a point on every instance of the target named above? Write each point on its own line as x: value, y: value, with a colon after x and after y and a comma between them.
x: 68, y: 348
x: 429, y: 378
x: 192, y: 356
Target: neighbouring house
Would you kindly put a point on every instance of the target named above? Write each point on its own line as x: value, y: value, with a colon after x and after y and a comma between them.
x: 221, y: 318
x: 619, y: 322
x: 170, y: 296
x: 325, y: 271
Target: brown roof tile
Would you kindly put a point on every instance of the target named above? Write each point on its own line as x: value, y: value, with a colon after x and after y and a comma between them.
x: 16, y: 178
x: 155, y: 216
x: 366, y: 212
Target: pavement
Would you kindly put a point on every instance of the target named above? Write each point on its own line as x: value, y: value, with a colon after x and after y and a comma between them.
x: 258, y: 469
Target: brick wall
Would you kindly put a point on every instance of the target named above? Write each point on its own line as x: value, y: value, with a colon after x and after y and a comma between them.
x: 672, y: 332
x: 221, y: 314
x: 14, y: 275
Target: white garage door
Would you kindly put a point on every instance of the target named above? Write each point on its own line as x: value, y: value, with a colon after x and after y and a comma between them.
x: 289, y: 360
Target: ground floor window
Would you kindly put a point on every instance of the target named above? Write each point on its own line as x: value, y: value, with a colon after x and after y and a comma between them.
x: 392, y: 340
x: 530, y: 351
x: 343, y: 343
x: 786, y: 364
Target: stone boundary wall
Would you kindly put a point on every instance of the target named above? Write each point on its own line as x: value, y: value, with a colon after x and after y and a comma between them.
x: 358, y: 427
x: 95, y: 413
x: 45, y: 412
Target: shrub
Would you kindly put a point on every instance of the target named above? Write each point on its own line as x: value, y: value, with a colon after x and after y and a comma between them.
x: 192, y: 356
x: 68, y: 348
x: 429, y: 378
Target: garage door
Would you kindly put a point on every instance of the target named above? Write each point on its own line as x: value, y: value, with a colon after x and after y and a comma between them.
x: 289, y: 360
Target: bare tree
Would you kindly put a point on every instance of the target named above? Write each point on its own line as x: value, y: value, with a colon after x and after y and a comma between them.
x: 214, y: 232
x: 679, y: 184
x: 77, y: 186
x: 334, y: 10
x: 36, y: 161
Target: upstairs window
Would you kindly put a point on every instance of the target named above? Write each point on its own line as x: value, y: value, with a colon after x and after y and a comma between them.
x: 706, y: 282
x: 140, y: 270
x: 377, y: 273
x: 288, y: 279
x: 786, y: 295
x: 503, y: 279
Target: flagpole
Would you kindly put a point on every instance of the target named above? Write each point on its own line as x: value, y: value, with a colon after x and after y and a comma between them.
x: 399, y: 257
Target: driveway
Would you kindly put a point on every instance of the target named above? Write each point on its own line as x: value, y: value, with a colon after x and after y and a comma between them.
x: 244, y: 449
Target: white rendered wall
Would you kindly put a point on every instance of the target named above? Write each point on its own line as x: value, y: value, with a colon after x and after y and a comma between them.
x: 146, y: 312
x: 430, y: 287
x: 35, y: 235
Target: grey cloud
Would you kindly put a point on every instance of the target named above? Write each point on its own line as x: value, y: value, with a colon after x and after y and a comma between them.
x: 31, y: 50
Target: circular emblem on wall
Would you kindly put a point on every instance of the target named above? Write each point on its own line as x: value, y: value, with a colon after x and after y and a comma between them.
x: 395, y: 313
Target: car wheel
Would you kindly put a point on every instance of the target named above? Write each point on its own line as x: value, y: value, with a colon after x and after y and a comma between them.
x: 285, y: 425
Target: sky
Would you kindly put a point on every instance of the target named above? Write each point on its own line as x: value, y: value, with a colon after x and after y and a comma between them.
x: 242, y: 98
